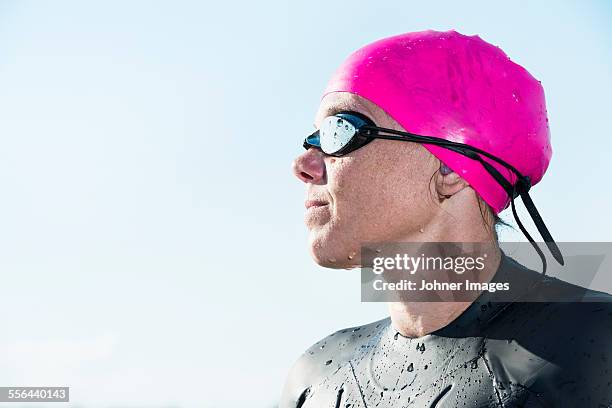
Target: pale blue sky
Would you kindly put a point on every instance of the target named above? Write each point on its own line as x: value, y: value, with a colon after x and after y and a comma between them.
x: 151, y: 240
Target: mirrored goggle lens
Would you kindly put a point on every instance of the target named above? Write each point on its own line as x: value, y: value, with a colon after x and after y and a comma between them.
x: 335, y: 134
x: 312, y: 140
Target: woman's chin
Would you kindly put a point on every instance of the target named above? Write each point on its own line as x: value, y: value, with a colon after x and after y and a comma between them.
x: 330, y: 254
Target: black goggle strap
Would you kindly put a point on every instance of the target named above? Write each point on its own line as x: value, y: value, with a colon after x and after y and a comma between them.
x: 521, y: 187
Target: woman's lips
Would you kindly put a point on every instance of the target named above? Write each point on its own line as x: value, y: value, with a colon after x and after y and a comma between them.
x: 317, y: 213
x: 314, y: 203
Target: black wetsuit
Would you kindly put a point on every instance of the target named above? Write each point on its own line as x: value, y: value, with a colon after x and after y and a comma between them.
x: 495, y: 354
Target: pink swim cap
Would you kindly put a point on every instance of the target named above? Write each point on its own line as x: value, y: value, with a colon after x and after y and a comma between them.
x: 459, y: 88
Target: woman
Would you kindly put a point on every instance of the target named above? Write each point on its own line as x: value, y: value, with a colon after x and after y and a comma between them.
x: 426, y: 137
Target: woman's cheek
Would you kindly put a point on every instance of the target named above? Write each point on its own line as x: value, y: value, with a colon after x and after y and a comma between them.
x: 339, y: 174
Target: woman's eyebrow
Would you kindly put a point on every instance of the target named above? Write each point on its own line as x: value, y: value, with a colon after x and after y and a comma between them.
x: 335, y: 109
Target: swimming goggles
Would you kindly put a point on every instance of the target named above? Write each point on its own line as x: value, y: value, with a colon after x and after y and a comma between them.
x: 347, y: 131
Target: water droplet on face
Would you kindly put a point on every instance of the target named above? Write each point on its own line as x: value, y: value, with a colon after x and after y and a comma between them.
x: 379, y: 250
x: 351, y: 255
x: 421, y: 230
x: 332, y: 260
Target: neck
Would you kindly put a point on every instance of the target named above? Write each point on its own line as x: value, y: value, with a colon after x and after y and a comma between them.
x: 416, y: 319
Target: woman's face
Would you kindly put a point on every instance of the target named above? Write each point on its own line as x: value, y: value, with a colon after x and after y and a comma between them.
x: 380, y: 192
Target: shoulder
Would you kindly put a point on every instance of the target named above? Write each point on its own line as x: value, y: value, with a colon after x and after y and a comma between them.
x: 582, y: 317
x: 581, y: 347
x: 316, y: 362
x: 574, y: 310
x: 575, y: 338
x: 586, y: 320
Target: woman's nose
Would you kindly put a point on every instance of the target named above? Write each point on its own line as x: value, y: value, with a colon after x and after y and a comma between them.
x: 310, y: 166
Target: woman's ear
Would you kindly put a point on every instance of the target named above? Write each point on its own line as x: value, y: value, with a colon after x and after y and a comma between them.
x: 448, y: 183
